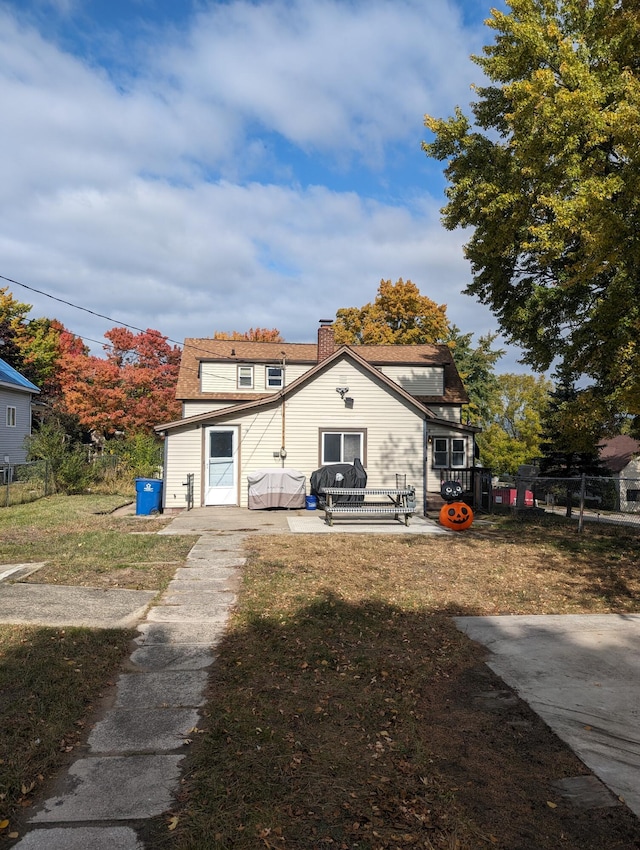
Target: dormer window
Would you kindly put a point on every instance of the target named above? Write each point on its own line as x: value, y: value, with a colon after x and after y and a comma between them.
x: 245, y: 377
x: 274, y: 377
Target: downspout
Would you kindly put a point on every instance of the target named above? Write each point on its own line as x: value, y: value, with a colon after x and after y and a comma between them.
x: 283, y: 450
x: 424, y: 466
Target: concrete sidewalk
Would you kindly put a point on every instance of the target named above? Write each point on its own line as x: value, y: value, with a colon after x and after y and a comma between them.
x: 300, y: 521
x: 131, y: 771
x: 581, y: 674
x: 60, y: 605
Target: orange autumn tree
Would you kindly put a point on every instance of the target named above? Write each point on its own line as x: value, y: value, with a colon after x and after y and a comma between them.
x: 252, y: 335
x: 130, y: 390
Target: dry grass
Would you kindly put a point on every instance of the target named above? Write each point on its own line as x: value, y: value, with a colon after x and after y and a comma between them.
x: 50, y: 678
x: 49, y: 681
x: 346, y: 710
x: 515, y: 568
x: 85, y: 544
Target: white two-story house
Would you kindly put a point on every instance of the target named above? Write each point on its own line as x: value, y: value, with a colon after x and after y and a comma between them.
x: 256, y: 405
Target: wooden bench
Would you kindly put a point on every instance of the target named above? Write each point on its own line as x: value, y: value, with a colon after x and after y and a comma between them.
x: 402, y: 502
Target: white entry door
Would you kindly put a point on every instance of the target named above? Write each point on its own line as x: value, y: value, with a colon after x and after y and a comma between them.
x: 221, y: 466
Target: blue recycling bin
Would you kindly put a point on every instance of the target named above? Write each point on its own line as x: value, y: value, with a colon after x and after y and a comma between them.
x: 148, y: 496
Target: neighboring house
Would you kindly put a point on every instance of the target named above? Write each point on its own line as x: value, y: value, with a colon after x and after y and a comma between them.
x: 16, y: 393
x: 256, y: 405
x: 621, y: 456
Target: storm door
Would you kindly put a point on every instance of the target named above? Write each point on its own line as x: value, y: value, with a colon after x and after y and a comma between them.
x: 221, y: 466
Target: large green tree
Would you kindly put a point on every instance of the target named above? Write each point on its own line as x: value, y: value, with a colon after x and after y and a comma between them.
x: 548, y: 178
x: 512, y: 436
x: 476, y: 366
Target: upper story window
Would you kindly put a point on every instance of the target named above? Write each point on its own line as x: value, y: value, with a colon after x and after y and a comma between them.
x: 245, y: 377
x: 11, y: 417
x: 274, y: 378
x: 342, y: 447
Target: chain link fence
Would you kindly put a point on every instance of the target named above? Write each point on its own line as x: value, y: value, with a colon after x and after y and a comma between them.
x: 589, y: 499
x: 24, y: 482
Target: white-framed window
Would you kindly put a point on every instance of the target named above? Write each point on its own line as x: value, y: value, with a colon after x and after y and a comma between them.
x: 245, y: 377
x: 458, y: 445
x: 274, y: 377
x: 449, y: 452
x: 440, y: 452
x: 11, y: 417
x: 343, y: 446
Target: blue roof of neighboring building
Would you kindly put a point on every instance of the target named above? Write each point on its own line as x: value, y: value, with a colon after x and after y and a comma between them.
x: 9, y: 375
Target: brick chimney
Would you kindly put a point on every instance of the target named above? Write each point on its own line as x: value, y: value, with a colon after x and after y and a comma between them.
x: 326, y: 341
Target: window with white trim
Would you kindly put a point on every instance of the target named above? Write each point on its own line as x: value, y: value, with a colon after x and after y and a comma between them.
x: 440, y: 451
x: 457, y: 451
x: 245, y: 377
x: 274, y: 378
x: 342, y: 447
x: 11, y: 417
x: 449, y: 452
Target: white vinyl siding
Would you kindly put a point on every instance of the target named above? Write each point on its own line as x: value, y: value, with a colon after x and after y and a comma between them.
x: 394, y: 430
x: 222, y: 377
x: 183, y: 455
x: 448, y: 412
x: 394, y: 433
x: 194, y: 408
x: 417, y: 380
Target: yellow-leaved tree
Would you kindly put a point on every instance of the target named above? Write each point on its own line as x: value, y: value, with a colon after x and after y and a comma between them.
x: 399, y: 315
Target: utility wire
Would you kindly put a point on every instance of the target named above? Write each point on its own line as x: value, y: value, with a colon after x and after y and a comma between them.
x: 78, y: 307
x: 115, y: 322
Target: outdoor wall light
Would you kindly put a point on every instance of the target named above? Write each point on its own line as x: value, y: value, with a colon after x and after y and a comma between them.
x: 342, y: 390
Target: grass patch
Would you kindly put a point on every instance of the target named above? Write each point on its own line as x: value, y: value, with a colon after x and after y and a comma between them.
x: 346, y: 710
x: 49, y: 681
x: 51, y: 678
x: 84, y: 544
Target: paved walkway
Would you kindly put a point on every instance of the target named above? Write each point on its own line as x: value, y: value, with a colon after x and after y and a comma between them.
x: 132, y: 768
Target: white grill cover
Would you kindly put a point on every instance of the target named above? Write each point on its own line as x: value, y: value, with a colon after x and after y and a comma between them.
x: 276, y: 488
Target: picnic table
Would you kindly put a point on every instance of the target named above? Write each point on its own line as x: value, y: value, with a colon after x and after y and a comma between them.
x: 401, y: 502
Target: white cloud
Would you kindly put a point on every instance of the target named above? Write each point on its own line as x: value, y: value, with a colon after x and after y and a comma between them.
x: 328, y: 75
x: 128, y: 200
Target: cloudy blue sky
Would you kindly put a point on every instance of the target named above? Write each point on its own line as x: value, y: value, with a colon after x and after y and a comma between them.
x: 194, y: 166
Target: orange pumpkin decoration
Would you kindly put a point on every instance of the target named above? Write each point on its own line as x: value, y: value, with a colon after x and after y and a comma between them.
x: 456, y: 515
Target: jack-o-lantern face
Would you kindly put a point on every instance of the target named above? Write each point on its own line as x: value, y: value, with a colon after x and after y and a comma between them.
x: 457, y: 516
